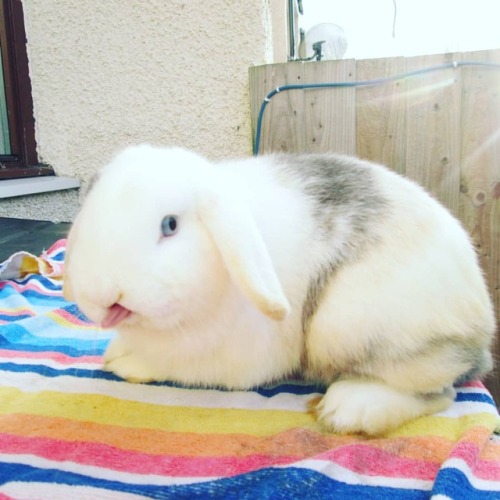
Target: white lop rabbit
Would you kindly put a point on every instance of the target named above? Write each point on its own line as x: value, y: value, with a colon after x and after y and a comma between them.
x: 246, y: 272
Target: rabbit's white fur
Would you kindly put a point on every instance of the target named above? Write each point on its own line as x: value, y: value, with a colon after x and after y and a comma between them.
x: 372, y: 287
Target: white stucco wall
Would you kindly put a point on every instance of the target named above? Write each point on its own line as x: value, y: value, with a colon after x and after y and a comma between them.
x: 110, y: 73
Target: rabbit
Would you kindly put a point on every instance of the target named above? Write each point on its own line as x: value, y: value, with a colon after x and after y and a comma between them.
x: 245, y: 272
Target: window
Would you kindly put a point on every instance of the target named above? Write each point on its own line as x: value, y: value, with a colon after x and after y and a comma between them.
x: 18, y: 157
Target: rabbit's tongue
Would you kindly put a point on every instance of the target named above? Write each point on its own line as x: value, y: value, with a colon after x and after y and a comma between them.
x: 116, y: 314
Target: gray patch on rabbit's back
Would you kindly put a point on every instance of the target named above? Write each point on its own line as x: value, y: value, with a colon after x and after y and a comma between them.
x: 344, y: 194
x: 339, y: 186
x: 314, y: 294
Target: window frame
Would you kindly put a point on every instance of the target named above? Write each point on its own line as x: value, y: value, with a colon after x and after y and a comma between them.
x: 23, y: 160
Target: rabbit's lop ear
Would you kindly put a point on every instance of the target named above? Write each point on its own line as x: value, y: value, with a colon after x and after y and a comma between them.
x: 244, y: 252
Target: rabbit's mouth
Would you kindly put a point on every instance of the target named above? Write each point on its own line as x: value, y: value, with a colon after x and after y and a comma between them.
x: 115, y: 314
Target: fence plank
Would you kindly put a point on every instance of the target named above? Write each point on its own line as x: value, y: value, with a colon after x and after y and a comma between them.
x: 381, y: 113
x: 282, y: 127
x: 330, y: 113
x: 433, y: 128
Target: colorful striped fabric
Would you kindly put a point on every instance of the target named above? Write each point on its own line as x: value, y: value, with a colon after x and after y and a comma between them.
x: 69, y: 430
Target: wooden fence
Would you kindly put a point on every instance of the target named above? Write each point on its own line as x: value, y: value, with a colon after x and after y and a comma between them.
x: 440, y: 128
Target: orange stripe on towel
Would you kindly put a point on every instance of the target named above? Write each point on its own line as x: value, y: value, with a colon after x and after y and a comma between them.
x: 297, y: 442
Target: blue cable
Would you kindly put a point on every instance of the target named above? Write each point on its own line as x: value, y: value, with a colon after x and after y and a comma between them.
x: 365, y: 83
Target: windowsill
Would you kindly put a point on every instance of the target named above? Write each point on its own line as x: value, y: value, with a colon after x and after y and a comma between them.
x: 33, y: 185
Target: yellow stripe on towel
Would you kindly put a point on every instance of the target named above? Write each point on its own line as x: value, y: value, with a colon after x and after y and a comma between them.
x: 111, y: 411
x: 451, y: 428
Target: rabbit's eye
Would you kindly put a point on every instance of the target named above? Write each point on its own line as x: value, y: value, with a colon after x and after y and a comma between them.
x: 169, y: 225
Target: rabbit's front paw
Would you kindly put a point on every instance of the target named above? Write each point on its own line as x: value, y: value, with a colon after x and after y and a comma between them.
x: 373, y: 408
x: 124, y: 363
x: 116, y: 349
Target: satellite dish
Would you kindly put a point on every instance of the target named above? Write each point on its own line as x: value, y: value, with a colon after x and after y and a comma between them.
x: 334, y: 40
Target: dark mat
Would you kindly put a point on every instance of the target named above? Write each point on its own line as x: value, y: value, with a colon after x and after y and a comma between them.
x: 32, y: 236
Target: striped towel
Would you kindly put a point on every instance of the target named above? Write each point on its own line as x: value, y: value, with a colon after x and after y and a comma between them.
x: 69, y: 430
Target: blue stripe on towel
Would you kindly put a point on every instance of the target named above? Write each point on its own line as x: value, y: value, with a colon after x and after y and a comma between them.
x: 50, y: 372
x: 453, y: 483
x: 271, y: 483
x: 475, y: 397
